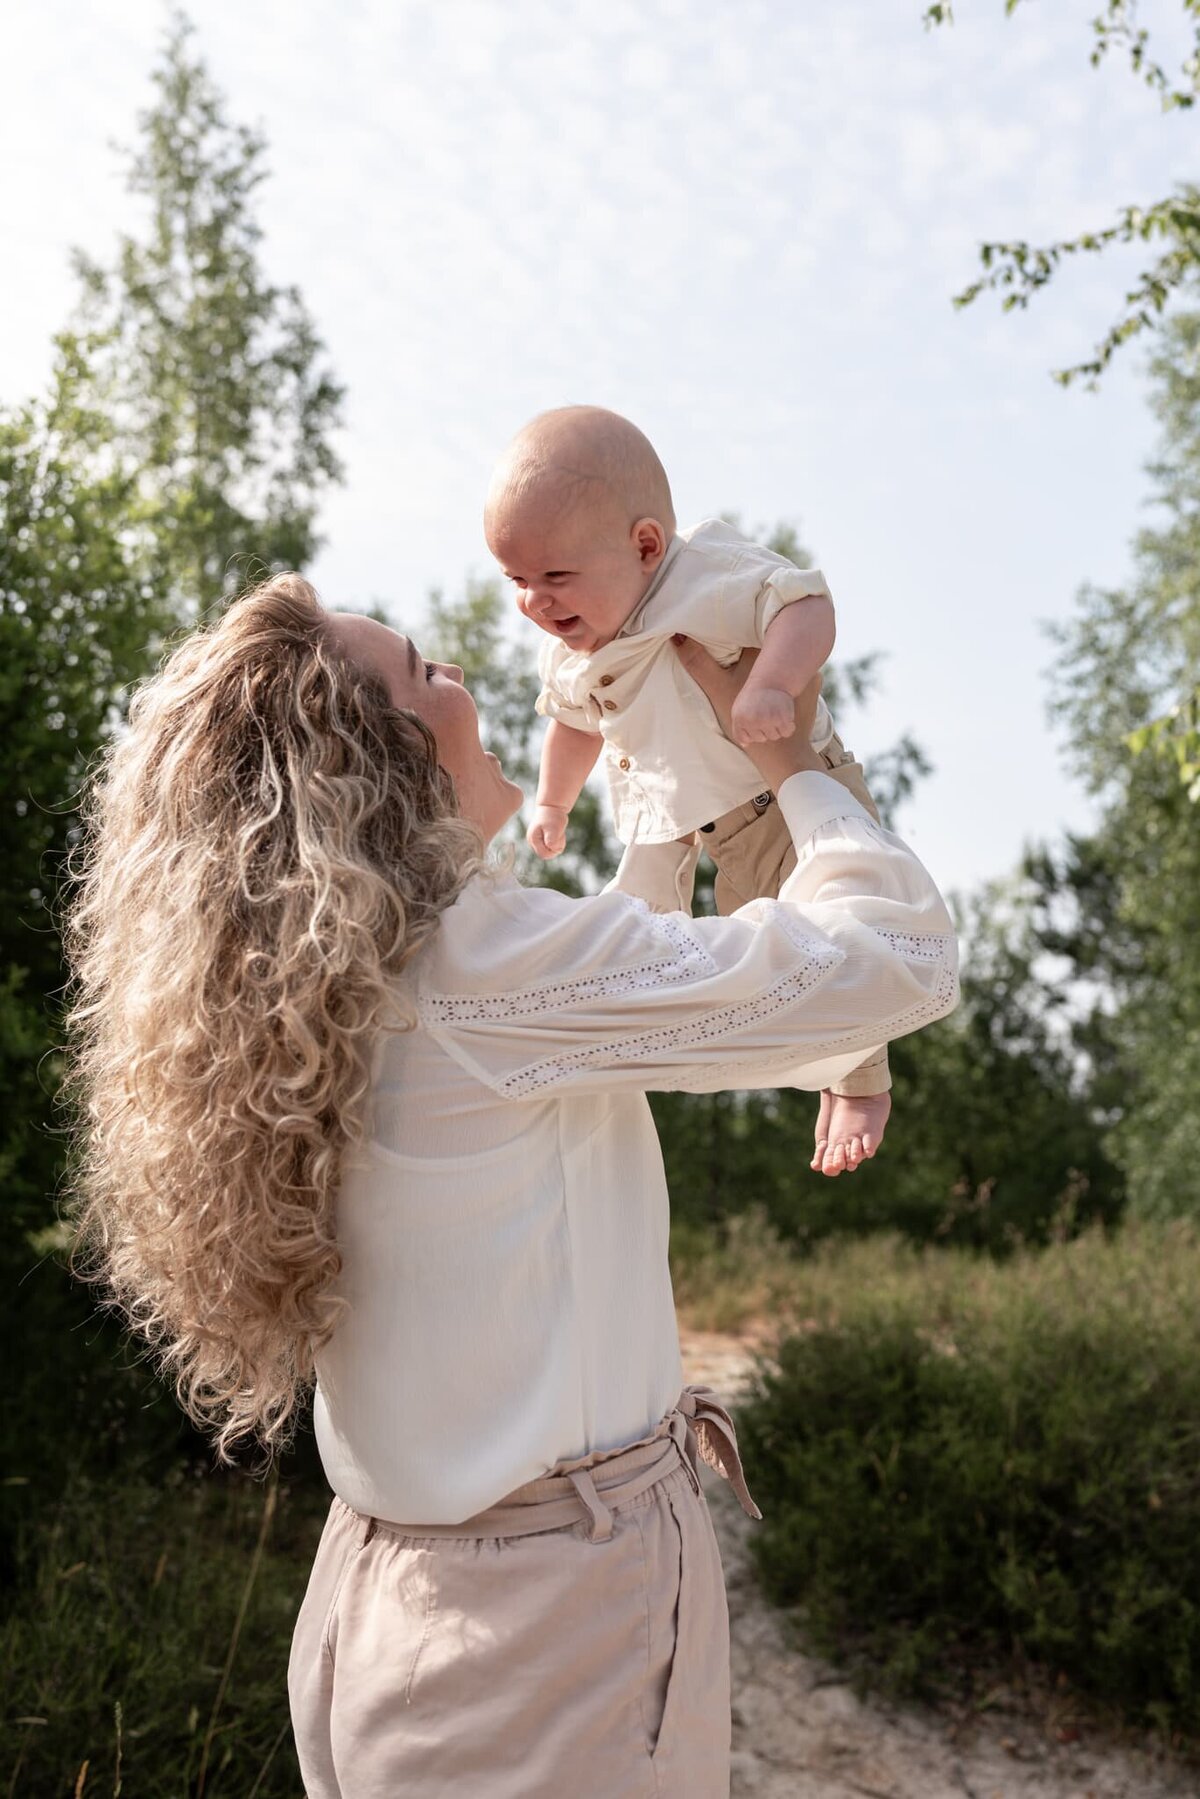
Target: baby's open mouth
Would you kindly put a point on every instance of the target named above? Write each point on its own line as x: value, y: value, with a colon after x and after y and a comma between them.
x: 565, y: 624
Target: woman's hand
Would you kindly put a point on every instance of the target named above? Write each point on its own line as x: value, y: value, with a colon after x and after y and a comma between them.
x: 775, y: 760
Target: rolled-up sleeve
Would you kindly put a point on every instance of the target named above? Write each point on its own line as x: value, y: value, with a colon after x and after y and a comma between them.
x: 531, y: 991
x: 553, y: 702
x: 782, y: 587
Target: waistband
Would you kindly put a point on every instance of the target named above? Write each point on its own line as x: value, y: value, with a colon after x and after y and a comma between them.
x: 698, y: 1428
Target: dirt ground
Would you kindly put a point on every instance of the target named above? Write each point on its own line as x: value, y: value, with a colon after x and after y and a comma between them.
x: 799, y: 1732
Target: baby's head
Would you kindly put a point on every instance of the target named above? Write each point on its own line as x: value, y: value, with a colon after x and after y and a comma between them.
x: 579, y: 517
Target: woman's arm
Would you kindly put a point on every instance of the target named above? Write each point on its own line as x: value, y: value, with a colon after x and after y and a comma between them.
x: 534, y: 992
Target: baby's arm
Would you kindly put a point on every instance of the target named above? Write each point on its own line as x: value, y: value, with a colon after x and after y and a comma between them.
x: 568, y: 758
x: 797, y: 643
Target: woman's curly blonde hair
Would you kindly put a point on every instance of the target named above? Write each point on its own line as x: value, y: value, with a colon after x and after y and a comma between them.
x: 265, y: 848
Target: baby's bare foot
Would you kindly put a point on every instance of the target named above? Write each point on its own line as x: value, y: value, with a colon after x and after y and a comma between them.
x: 849, y: 1130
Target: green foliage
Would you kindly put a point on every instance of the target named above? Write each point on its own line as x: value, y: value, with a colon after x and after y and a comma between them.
x: 212, y: 375
x: 123, y: 1649
x: 76, y: 621
x: 733, y: 1277
x: 1123, y: 905
x: 188, y: 424
x: 1016, y: 270
x: 960, y: 1460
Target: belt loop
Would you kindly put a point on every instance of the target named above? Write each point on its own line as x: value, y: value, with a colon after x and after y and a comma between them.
x: 684, y: 1440
x: 602, y: 1522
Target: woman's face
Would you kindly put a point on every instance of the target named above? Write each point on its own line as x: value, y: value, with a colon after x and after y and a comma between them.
x: 435, y: 692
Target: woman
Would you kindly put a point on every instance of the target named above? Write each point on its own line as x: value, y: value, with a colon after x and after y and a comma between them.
x: 362, y: 1109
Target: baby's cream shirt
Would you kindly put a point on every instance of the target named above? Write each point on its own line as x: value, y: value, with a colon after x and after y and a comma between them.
x: 670, y: 767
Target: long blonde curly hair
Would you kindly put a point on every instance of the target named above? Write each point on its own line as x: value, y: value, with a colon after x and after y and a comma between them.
x: 264, y: 849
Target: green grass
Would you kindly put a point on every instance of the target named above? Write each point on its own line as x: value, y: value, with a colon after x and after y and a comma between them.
x: 145, y: 1643
x: 732, y: 1275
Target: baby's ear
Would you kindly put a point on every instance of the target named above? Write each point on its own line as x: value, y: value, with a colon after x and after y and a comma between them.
x: 649, y: 539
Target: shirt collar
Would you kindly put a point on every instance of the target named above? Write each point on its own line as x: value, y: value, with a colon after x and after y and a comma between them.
x: 633, y: 623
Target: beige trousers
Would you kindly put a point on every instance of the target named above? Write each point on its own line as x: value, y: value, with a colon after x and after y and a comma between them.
x: 572, y: 1640
x: 754, y: 854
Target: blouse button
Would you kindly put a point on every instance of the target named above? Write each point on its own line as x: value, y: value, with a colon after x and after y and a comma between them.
x: 610, y: 705
x: 606, y: 680
x: 624, y: 762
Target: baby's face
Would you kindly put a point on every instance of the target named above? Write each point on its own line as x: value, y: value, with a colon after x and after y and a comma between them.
x: 576, y: 576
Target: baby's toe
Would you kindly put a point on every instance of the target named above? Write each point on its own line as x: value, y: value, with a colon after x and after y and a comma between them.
x: 835, y: 1159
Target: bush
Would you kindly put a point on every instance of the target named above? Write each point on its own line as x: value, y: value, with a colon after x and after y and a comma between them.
x: 958, y: 1459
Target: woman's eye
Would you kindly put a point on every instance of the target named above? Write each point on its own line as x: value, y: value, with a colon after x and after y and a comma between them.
x: 429, y: 671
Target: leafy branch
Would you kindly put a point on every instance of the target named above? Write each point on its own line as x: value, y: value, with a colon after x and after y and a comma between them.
x: 1017, y: 270
x: 1175, y: 738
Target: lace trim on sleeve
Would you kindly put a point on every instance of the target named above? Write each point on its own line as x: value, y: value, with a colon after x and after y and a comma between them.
x: 709, y: 1027
x: 934, y: 1006
x: 934, y: 948
x: 683, y: 958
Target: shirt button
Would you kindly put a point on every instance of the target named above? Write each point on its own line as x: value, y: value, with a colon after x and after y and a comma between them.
x: 606, y: 680
x: 610, y: 705
x: 624, y: 762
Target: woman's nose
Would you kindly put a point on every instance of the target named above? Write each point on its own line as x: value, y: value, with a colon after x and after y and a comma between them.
x: 455, y: 673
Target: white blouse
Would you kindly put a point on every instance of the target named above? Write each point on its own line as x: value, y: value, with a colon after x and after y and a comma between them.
x: 504, y: 1227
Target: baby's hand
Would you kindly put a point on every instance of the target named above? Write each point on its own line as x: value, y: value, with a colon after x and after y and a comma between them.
x: 762, y: 714
x: 547, y: 834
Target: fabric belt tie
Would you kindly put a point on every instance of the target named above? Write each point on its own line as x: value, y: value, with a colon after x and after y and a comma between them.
x: 697, y: 1429
x: 706, y: 1430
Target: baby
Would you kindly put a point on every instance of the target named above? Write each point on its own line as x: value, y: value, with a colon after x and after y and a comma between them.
x: 579, y: 517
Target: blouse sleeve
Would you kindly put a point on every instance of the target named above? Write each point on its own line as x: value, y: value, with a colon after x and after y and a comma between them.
x: 531, y: 991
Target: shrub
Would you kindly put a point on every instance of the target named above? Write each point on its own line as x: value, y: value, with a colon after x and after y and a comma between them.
x: 958, y: 1458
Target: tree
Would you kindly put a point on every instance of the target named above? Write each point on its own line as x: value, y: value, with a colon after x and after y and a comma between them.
x: 212, y: 375
x: 1017, y: 270
x: 76, y: 612
x: 1124, y: 904
x: 187, y: 425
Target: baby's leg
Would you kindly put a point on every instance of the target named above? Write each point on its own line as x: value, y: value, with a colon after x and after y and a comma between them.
x: 850, y: 1125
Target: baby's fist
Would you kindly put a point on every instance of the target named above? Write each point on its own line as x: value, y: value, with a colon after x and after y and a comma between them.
x: 762, y: 714
x: 547, y: 834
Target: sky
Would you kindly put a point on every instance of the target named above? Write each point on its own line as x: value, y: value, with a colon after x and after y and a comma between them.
x: 740, y: 225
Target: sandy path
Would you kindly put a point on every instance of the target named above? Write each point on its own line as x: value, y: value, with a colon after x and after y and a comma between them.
x: 800, y: 1733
